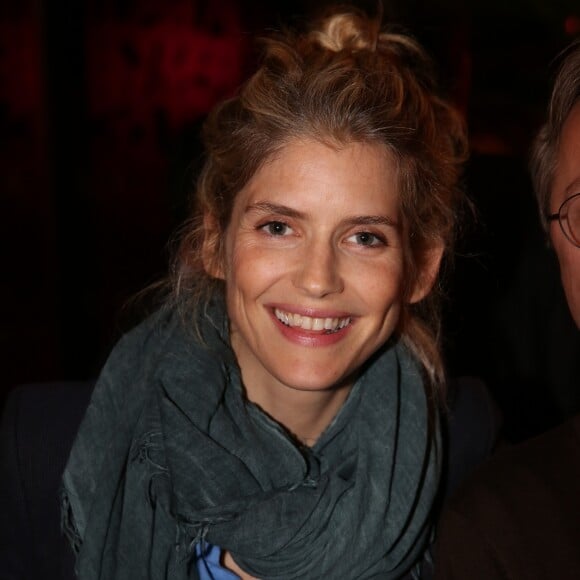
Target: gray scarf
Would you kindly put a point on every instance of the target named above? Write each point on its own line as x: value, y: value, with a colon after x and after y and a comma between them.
x: 170, y: 454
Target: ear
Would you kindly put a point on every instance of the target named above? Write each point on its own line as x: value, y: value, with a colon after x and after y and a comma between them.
x: 211, y: 251
x: 428, y: 269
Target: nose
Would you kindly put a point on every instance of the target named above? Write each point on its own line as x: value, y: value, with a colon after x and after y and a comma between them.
x: 318, y: 272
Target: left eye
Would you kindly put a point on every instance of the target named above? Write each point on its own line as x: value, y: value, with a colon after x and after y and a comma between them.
x: 276, y: 228
x: 366, y: 239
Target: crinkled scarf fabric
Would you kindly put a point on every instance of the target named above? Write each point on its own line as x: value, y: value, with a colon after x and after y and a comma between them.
x: 170, y: 454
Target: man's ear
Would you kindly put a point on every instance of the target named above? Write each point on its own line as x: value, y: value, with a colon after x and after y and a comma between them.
x: 211, y: 249
x: 428, y: 268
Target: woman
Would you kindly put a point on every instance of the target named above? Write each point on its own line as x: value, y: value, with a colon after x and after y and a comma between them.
x: 278, y: 417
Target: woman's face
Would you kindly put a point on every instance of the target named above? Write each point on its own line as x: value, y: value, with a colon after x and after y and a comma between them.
x: 314, y: 266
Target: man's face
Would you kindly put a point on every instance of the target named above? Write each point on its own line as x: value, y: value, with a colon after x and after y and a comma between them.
x: 567, y: 183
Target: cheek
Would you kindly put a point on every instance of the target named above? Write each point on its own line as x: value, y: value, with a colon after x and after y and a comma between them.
x: 569, y: 259
x: 383, y: 285
x: 250, y: 268
x: 569, y: 262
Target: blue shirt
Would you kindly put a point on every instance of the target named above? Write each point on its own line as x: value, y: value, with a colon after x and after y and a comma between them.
x: 208, y: 563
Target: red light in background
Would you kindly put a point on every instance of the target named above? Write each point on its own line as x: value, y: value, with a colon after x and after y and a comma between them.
x: 169, y: 66
x: 572, y: 25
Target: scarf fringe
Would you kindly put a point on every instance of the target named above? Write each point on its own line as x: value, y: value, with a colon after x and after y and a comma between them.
x: 67, y: 523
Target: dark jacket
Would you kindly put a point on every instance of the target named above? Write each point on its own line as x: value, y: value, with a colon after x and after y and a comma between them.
x: 517, y: 517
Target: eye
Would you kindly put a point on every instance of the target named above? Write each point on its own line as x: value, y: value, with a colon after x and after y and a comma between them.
x: 367, y: 239
x: 275, y: 228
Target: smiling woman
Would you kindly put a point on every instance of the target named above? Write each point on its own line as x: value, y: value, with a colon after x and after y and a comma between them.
x: 280, y: 413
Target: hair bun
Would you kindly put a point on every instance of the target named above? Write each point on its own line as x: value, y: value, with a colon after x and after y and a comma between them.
x: 347, y: 31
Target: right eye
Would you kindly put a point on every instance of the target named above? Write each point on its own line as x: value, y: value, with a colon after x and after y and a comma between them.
x: 275, y: 228
x: 368, y: 239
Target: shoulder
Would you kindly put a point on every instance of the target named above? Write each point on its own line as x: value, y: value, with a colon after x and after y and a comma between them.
x: 471, y: 426
x: 517, y: 514
x: 126, y: 374
x: 546, y: 463
x: 144, y: 340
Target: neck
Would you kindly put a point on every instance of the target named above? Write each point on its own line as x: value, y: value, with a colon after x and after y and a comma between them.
x: 305, y: 414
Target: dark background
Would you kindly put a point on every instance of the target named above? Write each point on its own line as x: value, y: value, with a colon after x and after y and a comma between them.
x: 100, y: 107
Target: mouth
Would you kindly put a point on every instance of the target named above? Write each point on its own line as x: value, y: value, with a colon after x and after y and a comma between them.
x: 322, y: 325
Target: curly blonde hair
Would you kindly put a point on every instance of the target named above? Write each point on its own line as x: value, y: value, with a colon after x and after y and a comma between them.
x: 344, y: 80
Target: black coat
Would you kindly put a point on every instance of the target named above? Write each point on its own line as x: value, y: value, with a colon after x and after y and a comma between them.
x: 517, y: 517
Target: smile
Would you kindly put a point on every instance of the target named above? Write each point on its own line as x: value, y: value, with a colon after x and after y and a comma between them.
x: 328, y: 325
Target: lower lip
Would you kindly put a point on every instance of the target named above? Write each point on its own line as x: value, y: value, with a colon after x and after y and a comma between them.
x: 303, y: 337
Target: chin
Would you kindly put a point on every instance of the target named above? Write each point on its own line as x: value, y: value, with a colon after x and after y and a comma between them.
x: 308, y: 381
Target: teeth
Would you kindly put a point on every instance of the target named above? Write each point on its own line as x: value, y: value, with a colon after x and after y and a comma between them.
x: 308, y: 323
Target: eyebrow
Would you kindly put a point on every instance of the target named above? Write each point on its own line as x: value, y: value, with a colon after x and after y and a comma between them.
x: 283, y: 210
x: 267, y: 207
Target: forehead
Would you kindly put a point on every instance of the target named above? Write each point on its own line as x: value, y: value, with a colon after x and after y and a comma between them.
x: 567, y: 171
x: 314, y: 173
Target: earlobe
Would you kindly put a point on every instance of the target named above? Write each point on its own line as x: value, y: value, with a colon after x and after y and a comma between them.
x: 428, y: 270
x: 211, y: 248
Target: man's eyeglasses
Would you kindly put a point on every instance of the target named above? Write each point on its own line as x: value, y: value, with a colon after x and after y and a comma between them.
x: 569, y: 218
